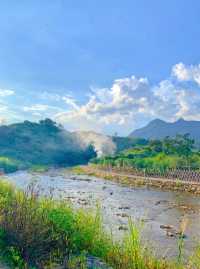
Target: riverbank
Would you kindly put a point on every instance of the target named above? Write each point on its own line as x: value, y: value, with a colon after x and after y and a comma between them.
x: 40, y: 233
x: 153, y: 207
x: 130, y: 180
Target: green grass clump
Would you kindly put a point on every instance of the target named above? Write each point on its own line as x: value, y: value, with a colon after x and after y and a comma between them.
x: 38, y: 168
x: 40, y: 233
x: 78, y: 170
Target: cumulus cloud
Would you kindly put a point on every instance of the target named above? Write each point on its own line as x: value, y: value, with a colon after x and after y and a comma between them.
x: 126, y: 103
x: 130, y: 100
x: 187, y: 73
x: 107, y: 106
x: 69, y: 100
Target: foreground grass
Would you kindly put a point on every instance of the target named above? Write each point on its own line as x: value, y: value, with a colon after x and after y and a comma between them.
x: 39, y: 233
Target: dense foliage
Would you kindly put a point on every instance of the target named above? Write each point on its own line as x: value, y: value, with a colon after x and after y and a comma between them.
x: 178, y: 152
x: 40, y: 233
x: 44, y: 143
x: 123, y: 143
x: 8, y: 165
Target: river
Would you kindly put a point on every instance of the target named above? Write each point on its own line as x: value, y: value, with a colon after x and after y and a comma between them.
x: 153, y: 207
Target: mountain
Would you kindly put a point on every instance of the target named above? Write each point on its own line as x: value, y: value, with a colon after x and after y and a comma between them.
x: 46, y: 143
x: 43, y: 143
x: 159, y: 129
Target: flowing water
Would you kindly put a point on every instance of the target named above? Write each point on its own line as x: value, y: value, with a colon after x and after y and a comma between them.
x: 153, y: 207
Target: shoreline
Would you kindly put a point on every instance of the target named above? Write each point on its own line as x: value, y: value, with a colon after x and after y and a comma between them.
x: 139, y: 181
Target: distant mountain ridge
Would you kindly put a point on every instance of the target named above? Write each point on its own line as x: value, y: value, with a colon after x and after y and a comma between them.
x: 159, y: 129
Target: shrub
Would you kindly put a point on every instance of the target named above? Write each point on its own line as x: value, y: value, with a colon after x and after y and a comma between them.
x: 38, y: 233
x: 8, y: 165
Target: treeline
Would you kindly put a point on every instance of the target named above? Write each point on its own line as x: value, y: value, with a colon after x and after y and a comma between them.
x: 28, y: 144
x: 157, y: 155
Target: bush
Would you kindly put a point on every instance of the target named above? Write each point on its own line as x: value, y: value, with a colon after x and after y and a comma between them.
x: 8, y: 165
x: 39, y: 233
x: 42, y: 230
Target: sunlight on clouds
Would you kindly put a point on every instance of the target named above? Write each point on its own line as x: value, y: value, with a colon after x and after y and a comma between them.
x: 121, y: 107
x: 130, y: 99
x: 70, y: 101
x: 187, y: 73
x: 107, y: 106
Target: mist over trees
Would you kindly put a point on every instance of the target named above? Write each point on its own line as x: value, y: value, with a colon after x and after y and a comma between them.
x: 169, y: 153
x: 44, y: 143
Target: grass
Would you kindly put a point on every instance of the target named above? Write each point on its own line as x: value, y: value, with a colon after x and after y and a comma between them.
x: 39, y: 233
x: 78, y: 170
x: 39, y: 168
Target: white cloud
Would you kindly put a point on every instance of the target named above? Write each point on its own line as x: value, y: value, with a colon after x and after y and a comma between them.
x: 36, y: 107
x: 130, y: 100
x: 40, y: 108
x: 187, y: 73
x: 70, y: 101
x: 3, y: 108
x: 127, y: 102
x: 107, y: 106
x: 4, y: 92
x: 50, y: 96
x: 3, y: 121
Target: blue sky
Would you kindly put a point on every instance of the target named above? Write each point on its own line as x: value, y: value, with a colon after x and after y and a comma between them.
x: 103, y: 65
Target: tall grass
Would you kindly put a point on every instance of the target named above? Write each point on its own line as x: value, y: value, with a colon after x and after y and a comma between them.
x: 39, y: 233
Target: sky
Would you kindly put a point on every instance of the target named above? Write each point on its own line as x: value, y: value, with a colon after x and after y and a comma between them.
x: 108, y: 66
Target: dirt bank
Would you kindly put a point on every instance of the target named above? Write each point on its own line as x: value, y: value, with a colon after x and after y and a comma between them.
x: 133, y: 180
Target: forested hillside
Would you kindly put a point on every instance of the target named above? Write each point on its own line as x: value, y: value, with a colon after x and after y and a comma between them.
x: 157, y: 155
x: 44, y: 143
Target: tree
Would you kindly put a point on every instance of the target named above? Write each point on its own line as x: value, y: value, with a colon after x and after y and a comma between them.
x: 90, y: 153
x: 181, y: 145
x: 185, y: 145
x: 156, y: 145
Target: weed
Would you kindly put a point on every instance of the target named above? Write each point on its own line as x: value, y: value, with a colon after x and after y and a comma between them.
x: 37, y: 232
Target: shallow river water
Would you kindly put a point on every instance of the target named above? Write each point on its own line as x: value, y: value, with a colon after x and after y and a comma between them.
x: 153, y: 207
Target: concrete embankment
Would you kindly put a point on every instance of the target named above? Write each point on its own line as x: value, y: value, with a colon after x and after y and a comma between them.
x: 131, y: 180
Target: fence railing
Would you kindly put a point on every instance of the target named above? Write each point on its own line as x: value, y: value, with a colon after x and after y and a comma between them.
x: 176, y: 174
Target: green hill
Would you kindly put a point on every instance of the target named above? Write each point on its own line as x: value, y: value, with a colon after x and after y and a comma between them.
x: 44, y: 143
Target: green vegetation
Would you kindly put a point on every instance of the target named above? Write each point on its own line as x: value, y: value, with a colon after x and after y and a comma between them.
x: 157, y: 155
x: 39, y: 168
x: 8, y: 165
x: 40, y: 144
x: 123, y: 143
x: 40, y: 233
